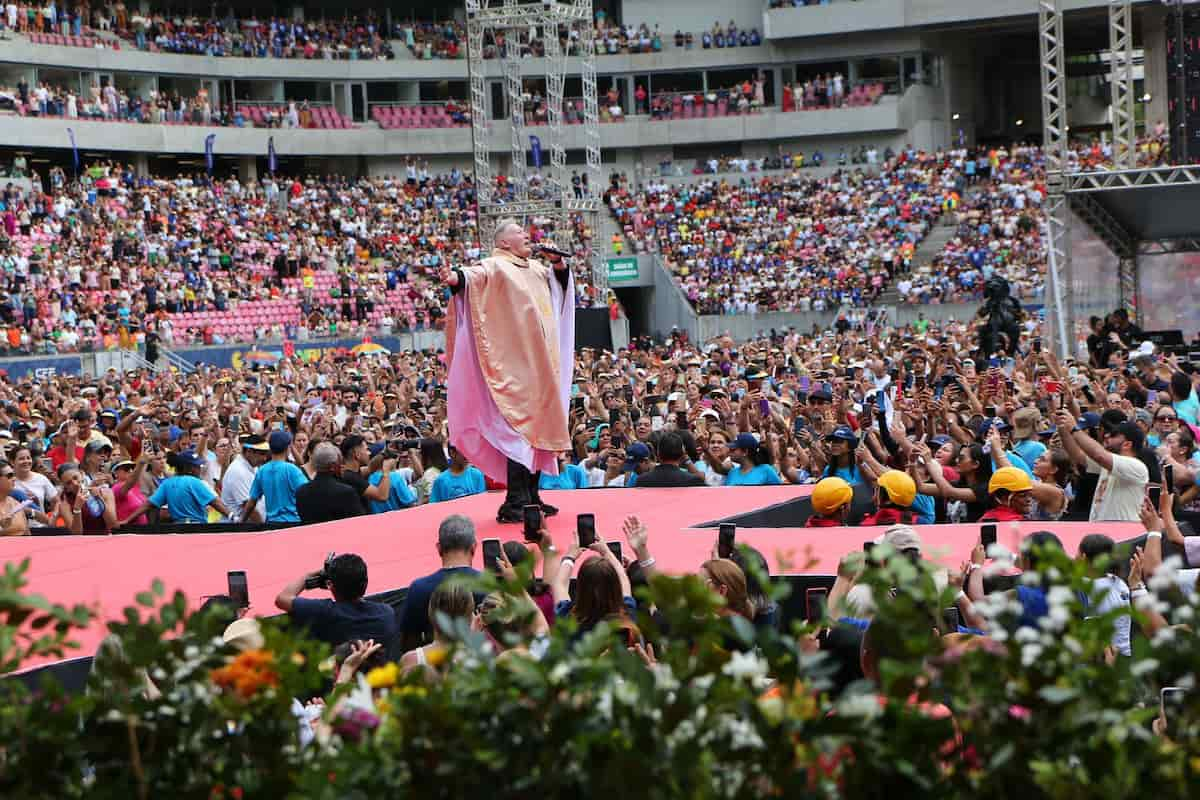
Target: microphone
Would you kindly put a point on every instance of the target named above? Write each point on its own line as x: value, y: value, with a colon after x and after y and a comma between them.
x: 554, y: 251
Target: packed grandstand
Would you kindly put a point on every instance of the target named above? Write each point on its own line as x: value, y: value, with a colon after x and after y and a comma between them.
x: 820, y: 265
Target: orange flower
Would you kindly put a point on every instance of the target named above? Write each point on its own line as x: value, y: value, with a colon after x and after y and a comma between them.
x: 248, y: 673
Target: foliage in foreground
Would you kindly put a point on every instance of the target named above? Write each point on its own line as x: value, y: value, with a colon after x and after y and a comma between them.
x: 726, y: 711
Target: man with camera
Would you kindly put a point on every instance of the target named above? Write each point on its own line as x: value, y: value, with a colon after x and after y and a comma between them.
x: 356, y: 454
x: 347, y: 616
x: 327, y: 497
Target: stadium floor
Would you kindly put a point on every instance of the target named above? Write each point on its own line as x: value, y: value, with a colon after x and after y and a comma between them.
x: 106, y: 572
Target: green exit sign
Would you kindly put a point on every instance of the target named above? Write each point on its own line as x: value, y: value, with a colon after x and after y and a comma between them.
x: 622, y: 269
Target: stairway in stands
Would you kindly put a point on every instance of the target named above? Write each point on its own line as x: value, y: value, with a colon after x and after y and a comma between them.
x: 930, y: 247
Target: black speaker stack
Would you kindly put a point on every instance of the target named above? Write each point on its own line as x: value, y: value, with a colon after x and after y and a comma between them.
x: 1183, y: 80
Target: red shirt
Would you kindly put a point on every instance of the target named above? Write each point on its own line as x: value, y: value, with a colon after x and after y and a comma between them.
x: 821, y: 522
x: 1001, y: 514
x: 58, y: 456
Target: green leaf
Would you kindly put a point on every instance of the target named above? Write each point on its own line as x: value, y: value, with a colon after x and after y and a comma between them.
x: 144, y: 599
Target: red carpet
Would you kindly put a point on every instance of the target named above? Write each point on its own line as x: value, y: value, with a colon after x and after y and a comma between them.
x: 106, y: 572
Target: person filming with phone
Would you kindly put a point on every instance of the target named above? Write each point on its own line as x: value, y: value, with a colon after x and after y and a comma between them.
x: 347, y: 616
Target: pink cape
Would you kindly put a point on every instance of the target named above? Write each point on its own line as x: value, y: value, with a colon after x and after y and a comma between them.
x: 477, y: 427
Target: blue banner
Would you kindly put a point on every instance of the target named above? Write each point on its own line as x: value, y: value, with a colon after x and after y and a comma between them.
x: 271, y: 162
x: 208, y: 151
x: 74, y: 148
x: 535, y: 146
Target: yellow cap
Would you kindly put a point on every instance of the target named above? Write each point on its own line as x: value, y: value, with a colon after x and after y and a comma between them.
x: 1010, y: 478
x: 830, y: 494
x: 901, y: 488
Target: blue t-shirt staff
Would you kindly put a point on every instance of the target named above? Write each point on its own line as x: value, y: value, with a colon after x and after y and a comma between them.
x: 753, y: 463
x: 460, y: 480
x: 184, y: 494
x: 277, y: 482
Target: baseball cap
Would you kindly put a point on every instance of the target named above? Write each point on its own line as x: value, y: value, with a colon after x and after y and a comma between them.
x: 744, y: 441
x: 635, y: 454
x: 122, y: 465
x: 845, y: 434
x: 377, y: 448
x: 1088, y: 421
x: 1142, y: 415
x: 902, y: 538
x: 254, y: 443
x: 189, y: 457
x: 96, y: 445
x: 279, y: 441
x: 1025, y: 421
x: 938, y: 441
x: 1131, y: 432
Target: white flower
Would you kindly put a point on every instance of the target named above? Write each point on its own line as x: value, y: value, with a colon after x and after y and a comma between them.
x: 1143, y: 667
x: 604, y: 703
x: 559, y: 674
x: 1030, y: 653
x: 1059, y: 596
x: 745, y: 665
x: 858, y: 705
x: 664, y: 677
x: 626, y: 693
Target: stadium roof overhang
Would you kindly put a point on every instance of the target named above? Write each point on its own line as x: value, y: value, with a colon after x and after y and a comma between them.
x: 1140, y: 211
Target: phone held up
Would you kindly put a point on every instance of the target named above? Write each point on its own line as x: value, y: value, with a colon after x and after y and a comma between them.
x: 725, y: 540
x: 491, y: 555
x: 533, y: 523
x: 585, y: 526
x: 239, y: 590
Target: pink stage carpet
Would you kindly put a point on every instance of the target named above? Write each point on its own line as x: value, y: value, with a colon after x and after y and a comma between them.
x: 105, y: 572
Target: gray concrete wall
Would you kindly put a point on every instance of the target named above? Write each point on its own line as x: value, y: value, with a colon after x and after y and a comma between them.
x: 637, y: 132
x: 841, y: 16
x: 694, y: 16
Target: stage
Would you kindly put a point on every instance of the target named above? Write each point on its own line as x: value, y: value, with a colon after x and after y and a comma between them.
x: 105, y: 572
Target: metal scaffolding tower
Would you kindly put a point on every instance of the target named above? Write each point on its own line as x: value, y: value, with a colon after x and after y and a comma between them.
x: 548, y: 198
x: 1054, y: 142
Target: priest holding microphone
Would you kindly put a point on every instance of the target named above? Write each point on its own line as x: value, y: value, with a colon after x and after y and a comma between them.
x: 510, y: 346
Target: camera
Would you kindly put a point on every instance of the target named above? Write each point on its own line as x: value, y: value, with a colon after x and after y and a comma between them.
x: 321, y: 579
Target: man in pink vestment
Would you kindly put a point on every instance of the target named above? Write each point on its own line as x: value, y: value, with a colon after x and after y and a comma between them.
x: 510, y: 342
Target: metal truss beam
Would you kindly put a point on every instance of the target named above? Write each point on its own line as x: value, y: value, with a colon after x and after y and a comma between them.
x: 1132, y: 178
x: 1104, y: 224
x: 548, y: 196
x: 1054, y: 143
x: 1162, y: 247
x: 1120, y: 31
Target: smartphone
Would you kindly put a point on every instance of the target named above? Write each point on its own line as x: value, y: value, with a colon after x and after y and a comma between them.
x: 1037, y: 345
x: 951, y: 618
x: 989, y: 412
x: 614, y: 415
x: 987, y: 535
x: 815, y: 602
x: 994, y: 362
x: 585, y: 526
x: 533, y: 523
x: 798, y: 424
x: 628, y: 394
x: 1172, y: 700
x: 491, y: 555
x: 881, y: 399
x: 1168, y: 478
x: 615, y: 548
x: 725, y: 540
x: 764, y: 408
x: 239, y: 590
x: 805, y: 382
x: 920, y: 382
x: 681, y: 420
x: 1155, y: 494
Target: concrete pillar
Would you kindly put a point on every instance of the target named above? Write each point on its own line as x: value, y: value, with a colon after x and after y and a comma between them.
x: 247, y: 169
x: 141, y: 163
x: 1154, y: 42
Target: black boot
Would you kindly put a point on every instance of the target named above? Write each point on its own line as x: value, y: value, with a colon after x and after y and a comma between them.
x: 535, y: 494
x: 516, y: 497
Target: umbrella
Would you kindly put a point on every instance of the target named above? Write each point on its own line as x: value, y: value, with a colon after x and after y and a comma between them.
x: 370, y: 349
x: 265, y: 358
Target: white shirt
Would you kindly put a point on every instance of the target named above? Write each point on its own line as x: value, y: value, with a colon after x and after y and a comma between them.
x: 1114, y: 596
x: 1119, y: 492
x: 39, y: 488
x: 235, y: 489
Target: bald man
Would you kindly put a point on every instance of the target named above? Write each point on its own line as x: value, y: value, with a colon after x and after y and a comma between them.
x: 510, y: 341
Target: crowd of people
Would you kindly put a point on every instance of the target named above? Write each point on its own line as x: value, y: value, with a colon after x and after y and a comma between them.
x: 788, y: 242
x: 932, y: 428
x: 113, y: 256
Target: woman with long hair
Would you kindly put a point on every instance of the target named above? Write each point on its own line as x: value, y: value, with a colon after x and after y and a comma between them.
x: 602, y: 590
x: 35, y: 485
x: 754, y: 463
x: 451, y: 600
x: 726, y: 578
x: 974, y: 471
x: 433, y: 460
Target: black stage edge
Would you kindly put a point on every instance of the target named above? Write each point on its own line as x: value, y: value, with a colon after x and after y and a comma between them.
x: 592, y: 329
